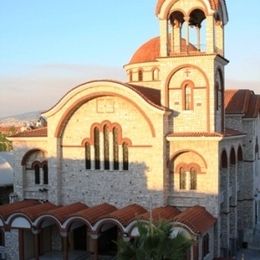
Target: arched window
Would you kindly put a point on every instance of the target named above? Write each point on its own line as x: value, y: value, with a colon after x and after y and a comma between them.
x: 217, y: 97
x: 155, y: 74
x: 2, y: 238
x: 188, y: 97
x: 193, y: 179
x: 205, y: 245
x: 125, y: 157
x: 87, y: 156
x: 140, y: 75
x: 45, y: 173
x: 115, y: 149
x: 182, y: 179
x: 106, y: 148
x: 97, y: 148
x: 36, y: 168
x: 130, y: 75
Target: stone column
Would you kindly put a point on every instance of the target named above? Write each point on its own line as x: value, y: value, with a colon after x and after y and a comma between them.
x: 163, y: 38
x: 65, y: 247
x: 210, y: 34
x: 177, y: 37
x: 92, y: 156
x: 198, y: 38
x: 120, y: 155
x: 187, y: 19
x: 36, y: 244
x: 93, y: 245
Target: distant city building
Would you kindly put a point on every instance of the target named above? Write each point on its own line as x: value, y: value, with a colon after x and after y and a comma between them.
x: 169, y: 144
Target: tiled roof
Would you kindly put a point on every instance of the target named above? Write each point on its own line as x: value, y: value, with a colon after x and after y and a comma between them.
x: 37, y: 210
x: 154, y: 95
x: 197, y: 218
x: 95, y: 213
x: 8, y: 209
x: 62, y: 213
x: 228, y: 133
x: 127, y: 214
x: 39, y: 132
x: 213, y: 3
x: 166, y: 213
x: 242, y: 101
x: 150, y: 51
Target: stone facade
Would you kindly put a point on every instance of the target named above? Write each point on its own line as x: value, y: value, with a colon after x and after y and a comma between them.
x: 162, y: 144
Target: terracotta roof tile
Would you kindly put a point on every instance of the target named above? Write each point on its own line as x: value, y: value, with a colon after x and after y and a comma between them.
x: 166, y: 213
x: 150, y: 51
x: 37, y: 210
x: 9, y: 209
x: 154, y: 95
x: 242, y: 101
x: 127, y: 214
x: 64, y: 212
x: 197, y: 218
x: 94, y: 213
x: 39, y: 132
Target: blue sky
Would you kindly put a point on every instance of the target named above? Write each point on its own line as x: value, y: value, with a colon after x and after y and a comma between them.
x: 48, y: 47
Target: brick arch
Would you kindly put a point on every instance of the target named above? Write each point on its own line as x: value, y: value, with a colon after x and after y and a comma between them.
x: 186, y: 151
x: 171, y: 75
x: 29, y: 153
x: 77, y: 104
x: 171, y: 3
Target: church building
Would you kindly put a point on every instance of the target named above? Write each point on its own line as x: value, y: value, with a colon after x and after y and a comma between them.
x: 171, y: 143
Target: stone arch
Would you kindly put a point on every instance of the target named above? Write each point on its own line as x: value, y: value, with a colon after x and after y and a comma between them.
x: 240, y: 154
x: 71, y: 110
x: 30, y: 153
x: 232, y: 156
x: 224, y: 160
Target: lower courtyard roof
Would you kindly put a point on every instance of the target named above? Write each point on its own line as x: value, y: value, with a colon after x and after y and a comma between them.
x: 197, y: 218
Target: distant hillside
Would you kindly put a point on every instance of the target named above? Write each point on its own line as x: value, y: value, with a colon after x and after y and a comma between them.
x: 20, y: 120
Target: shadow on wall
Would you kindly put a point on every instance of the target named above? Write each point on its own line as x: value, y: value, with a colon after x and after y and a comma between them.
x: 69, y: 181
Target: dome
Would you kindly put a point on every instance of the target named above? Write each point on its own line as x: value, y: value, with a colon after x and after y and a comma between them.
x: 150, y: 51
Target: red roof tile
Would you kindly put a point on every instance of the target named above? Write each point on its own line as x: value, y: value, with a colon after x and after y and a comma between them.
x: 9, y: 209
x: 242, y: 101
x: 64, y: 212
x: 127, y: 214
x: 39, y: 132
x: 166, y: 213
x: 150, y: 51
x: 153, y: 95
x: 95, y: 213
x: 37, y: 210
x: 197, y: 218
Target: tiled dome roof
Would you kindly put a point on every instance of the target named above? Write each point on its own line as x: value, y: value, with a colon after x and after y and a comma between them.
x: 150, y: 51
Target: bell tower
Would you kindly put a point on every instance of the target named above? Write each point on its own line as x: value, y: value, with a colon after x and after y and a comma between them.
x: 192, y: 61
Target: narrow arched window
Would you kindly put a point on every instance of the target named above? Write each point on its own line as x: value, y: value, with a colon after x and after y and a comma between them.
x: 115, y: 149
x: 97, y: 148
x: 205, y: 245
x: 125, y: 157
x: 217, y: 97
x: 2, y: 238
x: 87, y: 156
x: 188, y: 102
x: 45, y: 173
x: 130, y: 75
x: 140, y: 75
x: 182, y: 179
x: 106, y: 148
x: 155, y: 74
x: 193, y: 179
x: 36, y: 173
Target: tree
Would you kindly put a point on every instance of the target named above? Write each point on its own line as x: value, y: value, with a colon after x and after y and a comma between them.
x: 5, y: 145
x: 155, y: 242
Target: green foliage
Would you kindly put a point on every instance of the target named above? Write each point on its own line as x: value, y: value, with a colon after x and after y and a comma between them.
x: 154, y: 243
x: 5, y: 145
